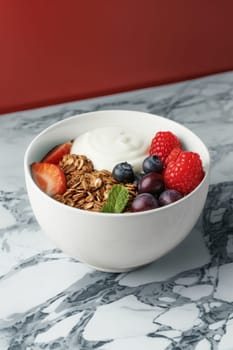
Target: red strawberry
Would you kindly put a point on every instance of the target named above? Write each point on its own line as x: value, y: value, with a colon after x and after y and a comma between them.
x: 173, y: 155
x: 55, y: 155
x: 185, y: 173
x: 49, y: 177
x: 163, y: 143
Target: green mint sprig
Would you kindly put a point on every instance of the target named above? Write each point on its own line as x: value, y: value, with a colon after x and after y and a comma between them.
x: 117, y: 200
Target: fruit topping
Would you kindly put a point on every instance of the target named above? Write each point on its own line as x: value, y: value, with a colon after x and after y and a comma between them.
x: 144, y: 201
x: 151, y: 183
x: 168, y: 197
x: 163, y: 143
x: 138, y: 177
x: 49, y: 177
x: 185, y: 173
x: 55, y: 155
x: 152, y: 164
x: 173, y: 155
x: 123, y: 172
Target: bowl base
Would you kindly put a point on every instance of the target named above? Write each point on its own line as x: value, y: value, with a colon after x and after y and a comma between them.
x: 117, y: 270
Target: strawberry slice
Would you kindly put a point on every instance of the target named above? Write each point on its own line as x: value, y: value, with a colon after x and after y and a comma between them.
x: 55, y: 155
x: 49, y: 177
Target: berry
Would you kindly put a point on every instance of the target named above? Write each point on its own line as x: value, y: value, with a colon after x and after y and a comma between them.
x: 152, y: 164
x: 55, y: 155
x: 144, y: 201
x: 49, y: 177
x: 123, y: 172
x: 173, y: 155
x: 138, y: 177
x: 163, y: 143
x: 151, y: 183
x: 184, y: 174
x: 169, y: 196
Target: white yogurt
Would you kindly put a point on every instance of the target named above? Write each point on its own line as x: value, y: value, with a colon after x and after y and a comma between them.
x: 107, y: 146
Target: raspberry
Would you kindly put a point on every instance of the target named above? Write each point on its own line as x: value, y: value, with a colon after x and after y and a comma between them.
x: 185, y: 173
x: 173, y: 155
x: 163, y: 143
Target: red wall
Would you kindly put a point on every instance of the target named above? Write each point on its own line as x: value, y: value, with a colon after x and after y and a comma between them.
x: 55, y: 51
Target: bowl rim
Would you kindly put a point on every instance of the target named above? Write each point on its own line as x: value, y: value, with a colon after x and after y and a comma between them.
x: 27, y: 171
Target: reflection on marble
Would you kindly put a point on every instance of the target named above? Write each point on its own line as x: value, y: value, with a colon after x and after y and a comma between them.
x: 183, y: 301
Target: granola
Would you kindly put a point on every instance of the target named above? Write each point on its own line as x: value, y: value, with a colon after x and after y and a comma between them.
x: 87, y: 188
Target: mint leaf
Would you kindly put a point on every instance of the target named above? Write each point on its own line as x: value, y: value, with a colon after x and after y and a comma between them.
x: 117, y: 199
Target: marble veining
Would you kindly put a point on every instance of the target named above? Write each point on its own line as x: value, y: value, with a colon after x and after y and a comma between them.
x: 183, y: 301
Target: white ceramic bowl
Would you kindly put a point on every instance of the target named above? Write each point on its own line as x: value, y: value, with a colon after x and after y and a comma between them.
x: 115, y: 242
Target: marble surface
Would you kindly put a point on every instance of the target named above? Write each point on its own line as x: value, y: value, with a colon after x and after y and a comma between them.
x: 183, y: 301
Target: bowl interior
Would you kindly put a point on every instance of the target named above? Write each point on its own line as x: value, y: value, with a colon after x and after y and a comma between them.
x: 144, y: 123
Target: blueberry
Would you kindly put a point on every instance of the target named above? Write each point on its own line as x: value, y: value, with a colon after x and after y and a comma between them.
x: 144, y: 201
x: 152, y: 164
x: 123, y: 172
x: 151, y: 183
x: 169, y: 196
